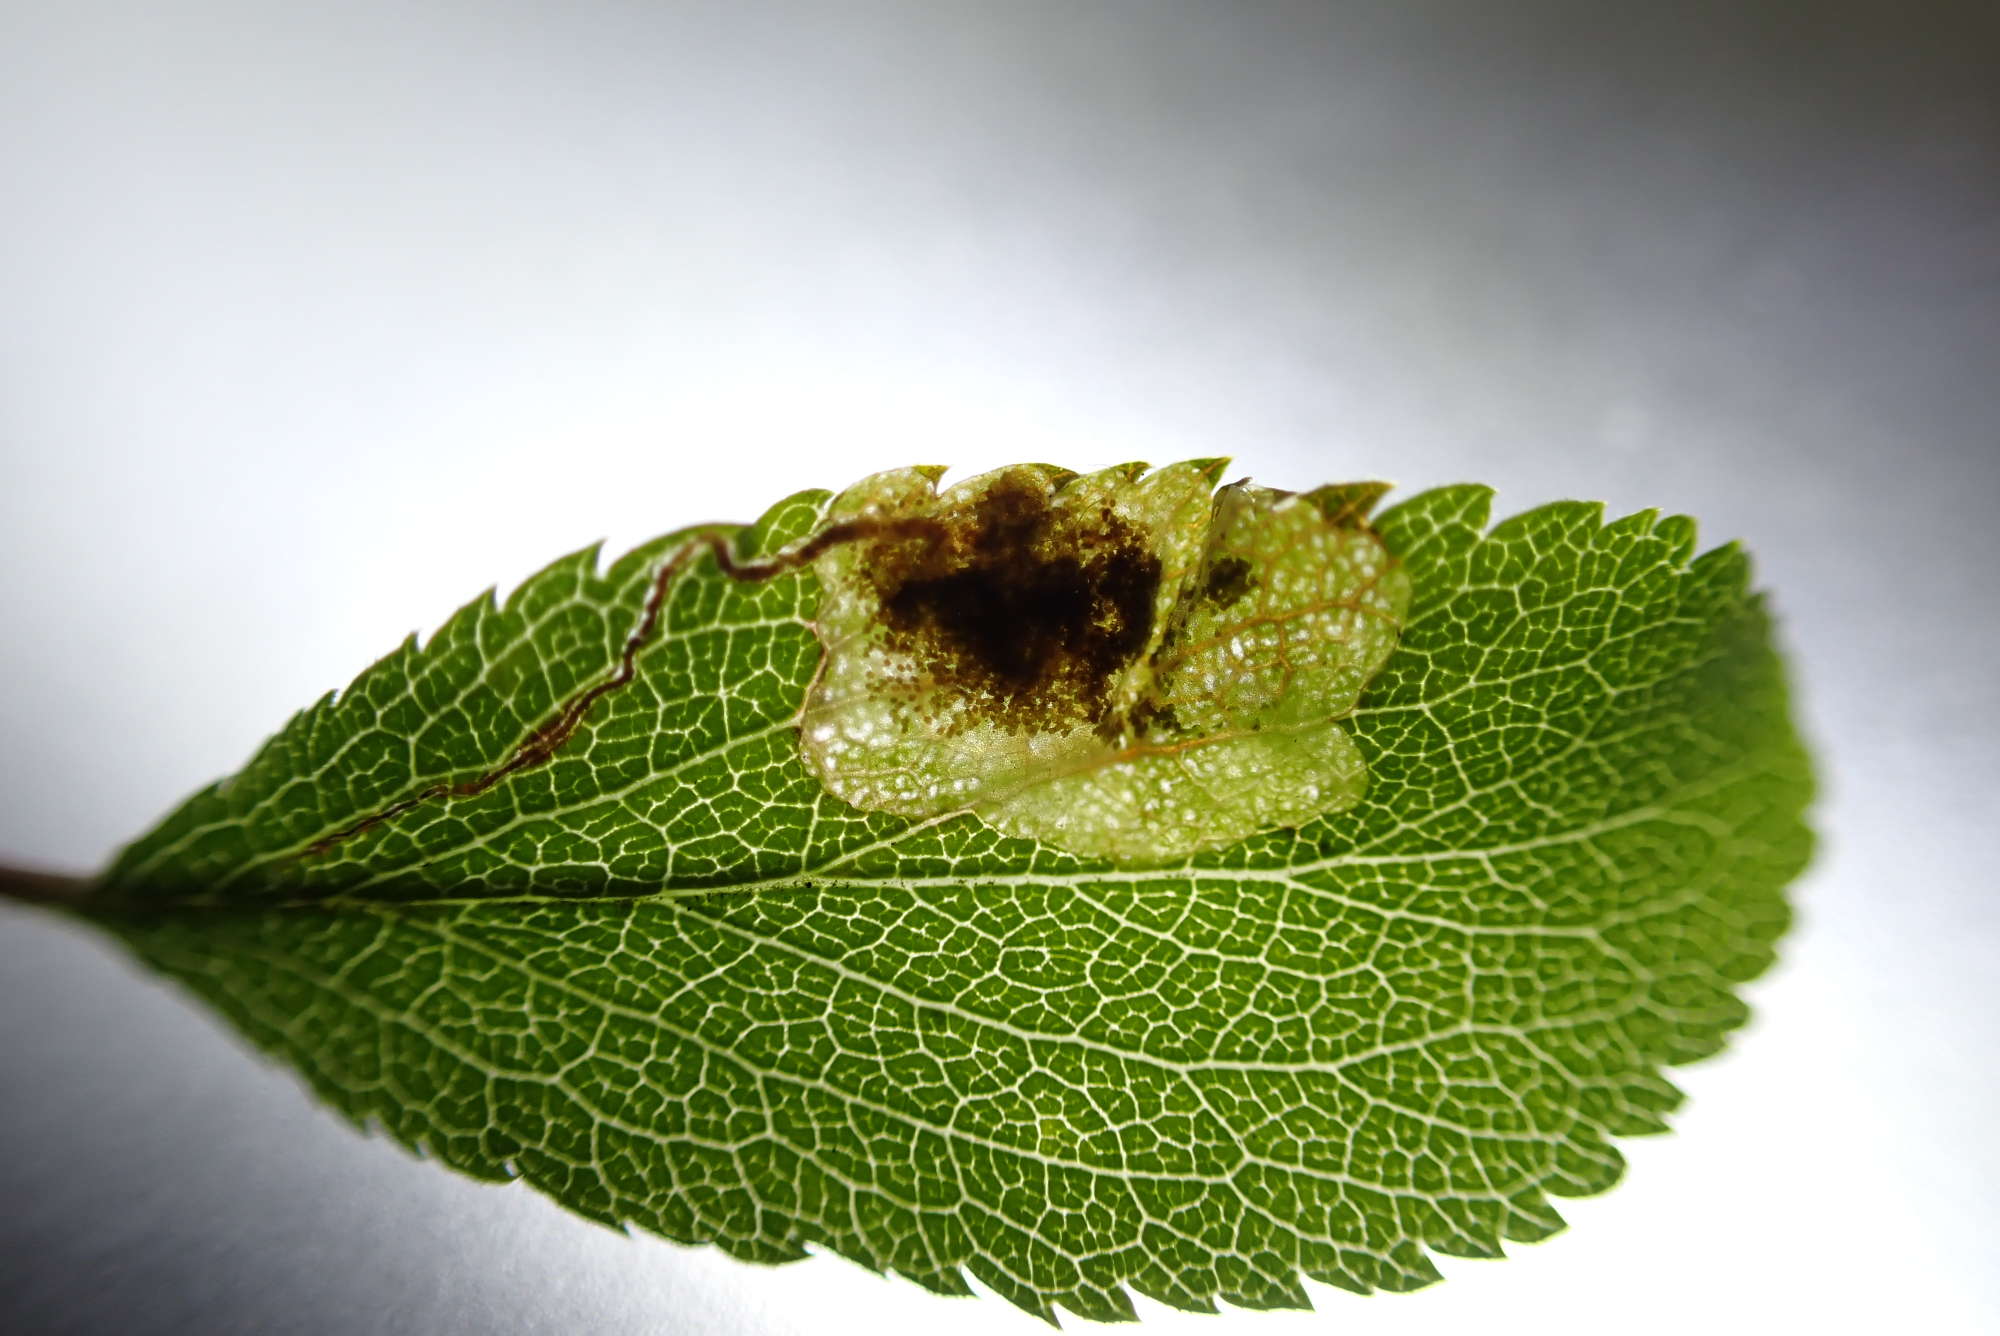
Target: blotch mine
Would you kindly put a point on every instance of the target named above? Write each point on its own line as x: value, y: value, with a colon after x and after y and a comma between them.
x: 1127, y: 665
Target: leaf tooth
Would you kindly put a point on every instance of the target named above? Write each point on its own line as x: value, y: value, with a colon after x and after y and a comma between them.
x: 1679, y: 533
x: 949, y: 1281
x: 1348, y: 504
x: 1016, y: 1292
x: 1530, y: 1218
x: 1573, y: 516
x: 1164, y: 1287
x: 578, y: 566
x: 1108, y: 1303
x: 1211, y: 469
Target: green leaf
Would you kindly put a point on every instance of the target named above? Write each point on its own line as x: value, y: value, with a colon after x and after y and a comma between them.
x: 664, y: 976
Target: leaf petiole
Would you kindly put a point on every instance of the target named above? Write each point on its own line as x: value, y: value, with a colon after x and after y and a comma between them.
x: 32, y: 887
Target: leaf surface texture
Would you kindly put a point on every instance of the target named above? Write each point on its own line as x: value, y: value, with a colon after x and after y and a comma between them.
x: 669, y: 980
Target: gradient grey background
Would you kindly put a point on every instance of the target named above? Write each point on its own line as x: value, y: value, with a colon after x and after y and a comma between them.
x: 315, y: 320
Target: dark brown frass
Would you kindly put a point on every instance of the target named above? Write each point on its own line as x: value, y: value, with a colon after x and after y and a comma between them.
x: 1030, y: 609
x: 1228, y: 580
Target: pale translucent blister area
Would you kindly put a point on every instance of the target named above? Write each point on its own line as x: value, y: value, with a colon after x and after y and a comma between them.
x: 1273, y: 612
x: 1150, y: 802
x: 1293, y: 640
x: 1294, y: 608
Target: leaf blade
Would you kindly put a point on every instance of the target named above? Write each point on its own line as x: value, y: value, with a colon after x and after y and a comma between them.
x: 1321, y: 1053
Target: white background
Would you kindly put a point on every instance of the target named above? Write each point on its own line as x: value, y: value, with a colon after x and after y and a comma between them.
x: 316, y: 320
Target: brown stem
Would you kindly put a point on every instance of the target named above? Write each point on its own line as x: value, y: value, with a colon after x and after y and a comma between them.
x: 32, y: 887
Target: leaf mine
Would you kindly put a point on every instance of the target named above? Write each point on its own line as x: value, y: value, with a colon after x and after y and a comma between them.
x: 1127, y: 665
